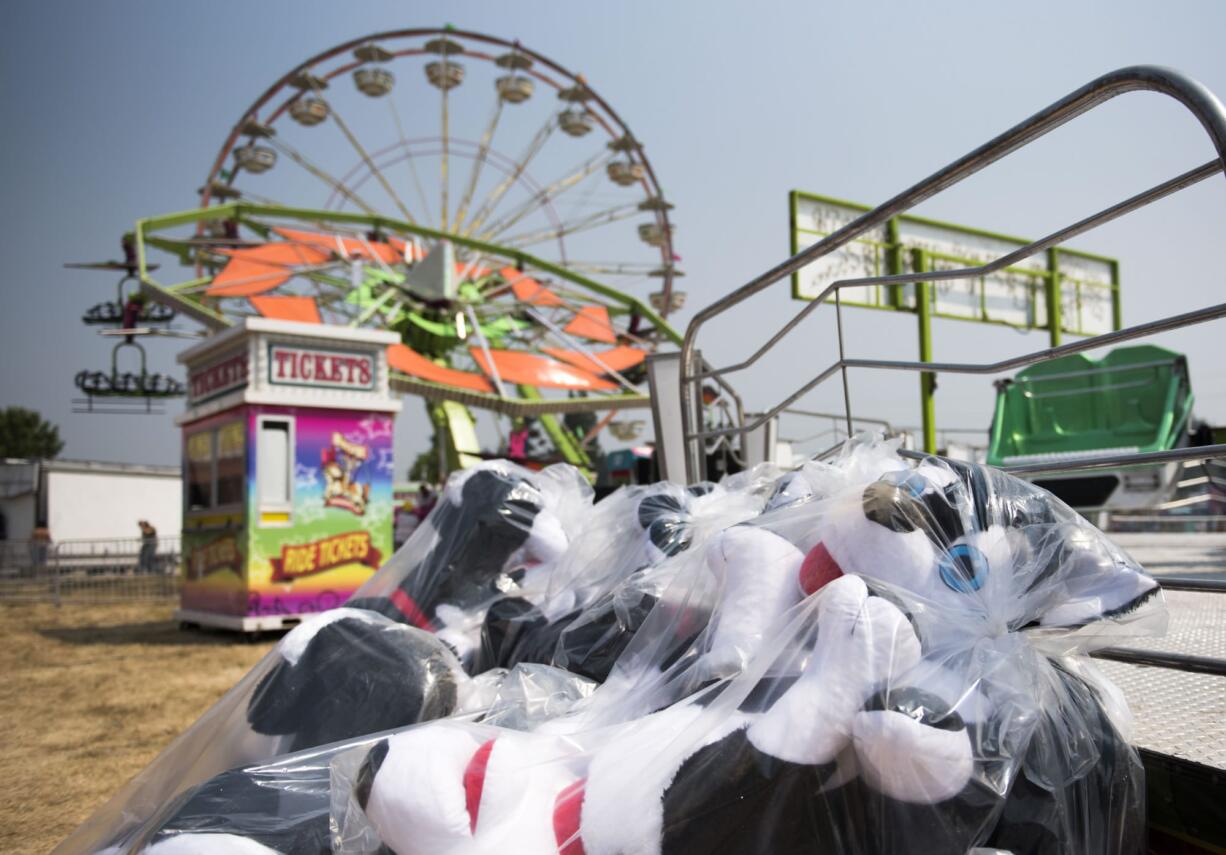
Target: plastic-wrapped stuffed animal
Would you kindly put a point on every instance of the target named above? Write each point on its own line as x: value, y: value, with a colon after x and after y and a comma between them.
x: 983, y: 563
x: 926, y: 716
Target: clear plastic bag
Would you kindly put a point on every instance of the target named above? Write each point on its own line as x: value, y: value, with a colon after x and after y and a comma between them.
x: 863, y: 655
x: 913, y: 690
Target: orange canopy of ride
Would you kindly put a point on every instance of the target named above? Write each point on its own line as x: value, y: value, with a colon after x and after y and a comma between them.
x: 532, y: 370
x: 528, y: 290
x: 592, y: 322
x: 291, y: 308
x: 348, y: 247
x: 600, y: 361
x: 257, y: 269
x: 404, y: 358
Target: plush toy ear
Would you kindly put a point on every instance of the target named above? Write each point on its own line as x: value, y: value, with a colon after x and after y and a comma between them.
x: 276, y: 705
x: 758, y: 572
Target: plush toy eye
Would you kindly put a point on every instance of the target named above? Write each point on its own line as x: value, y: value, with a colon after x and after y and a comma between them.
x: 963, y: 568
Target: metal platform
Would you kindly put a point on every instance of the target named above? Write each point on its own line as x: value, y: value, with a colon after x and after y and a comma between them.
x: 1178, y: 712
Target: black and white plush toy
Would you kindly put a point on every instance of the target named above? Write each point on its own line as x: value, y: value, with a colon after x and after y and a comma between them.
x: 981, y: 561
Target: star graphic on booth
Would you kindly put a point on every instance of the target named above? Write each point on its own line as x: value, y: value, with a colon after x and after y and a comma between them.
x: 385, y: 462
x: 305, y: 476
x: 376, y: 427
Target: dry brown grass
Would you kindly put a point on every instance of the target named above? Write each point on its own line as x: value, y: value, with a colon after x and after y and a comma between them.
x: 88, y: 696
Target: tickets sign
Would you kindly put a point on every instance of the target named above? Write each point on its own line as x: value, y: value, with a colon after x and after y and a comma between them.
x: 218, y: 377
x: 290, y: 365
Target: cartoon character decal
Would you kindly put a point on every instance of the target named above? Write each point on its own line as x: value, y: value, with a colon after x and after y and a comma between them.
x: 340, y: 463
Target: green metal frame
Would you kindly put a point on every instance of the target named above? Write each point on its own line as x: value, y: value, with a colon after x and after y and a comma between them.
x: 891, y: 254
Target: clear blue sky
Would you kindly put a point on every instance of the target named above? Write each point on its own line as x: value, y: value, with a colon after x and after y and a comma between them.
x: 114, y: 110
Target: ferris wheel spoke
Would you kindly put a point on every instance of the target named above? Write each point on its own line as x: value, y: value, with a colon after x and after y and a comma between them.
x: 483, y: 151
x: 491, y: 202
x: 446, y: 180
x: 335, y: 183
x: 591, y: 221
x: 370, y: 164
x: 548, y: 194
x: 404, y: 144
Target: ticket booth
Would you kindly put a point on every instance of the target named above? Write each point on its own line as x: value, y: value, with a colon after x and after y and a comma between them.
x: 287, y: 471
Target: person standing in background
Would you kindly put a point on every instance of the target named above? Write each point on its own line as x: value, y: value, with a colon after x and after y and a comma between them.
x: 40, y: 548
x: 148, y: 547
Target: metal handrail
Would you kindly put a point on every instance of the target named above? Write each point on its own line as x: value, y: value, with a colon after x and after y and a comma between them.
x: 1201, y: 102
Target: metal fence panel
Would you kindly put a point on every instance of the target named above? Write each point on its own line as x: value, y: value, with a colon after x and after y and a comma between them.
x: 90, y: 571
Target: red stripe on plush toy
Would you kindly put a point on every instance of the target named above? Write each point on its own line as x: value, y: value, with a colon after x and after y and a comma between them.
x: 474, y: 782
x: 409, y: 609
x: 818, y: 568
x: 566, y: 813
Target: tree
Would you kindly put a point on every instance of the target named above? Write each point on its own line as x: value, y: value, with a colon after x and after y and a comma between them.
x: 25, y: 433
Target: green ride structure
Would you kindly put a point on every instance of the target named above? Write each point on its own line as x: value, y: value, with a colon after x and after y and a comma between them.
x: 1133, y: 400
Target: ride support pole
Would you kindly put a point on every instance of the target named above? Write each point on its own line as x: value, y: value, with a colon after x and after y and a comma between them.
x: 923, y: 310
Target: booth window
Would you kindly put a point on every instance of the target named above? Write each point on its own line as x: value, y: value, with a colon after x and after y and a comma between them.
x: 275, y: 470
x: 231, y: 463
x: 216, y: 467
x: 200, y: 471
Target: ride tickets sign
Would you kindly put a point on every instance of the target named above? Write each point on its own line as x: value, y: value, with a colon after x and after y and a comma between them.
x: 220, y: 554
x: 308, y: 559
x: 218, y: 377
x: 291, y: 365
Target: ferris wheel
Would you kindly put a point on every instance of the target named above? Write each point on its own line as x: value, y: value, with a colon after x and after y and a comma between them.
x: 468, y: 134
x: 463, y: 190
